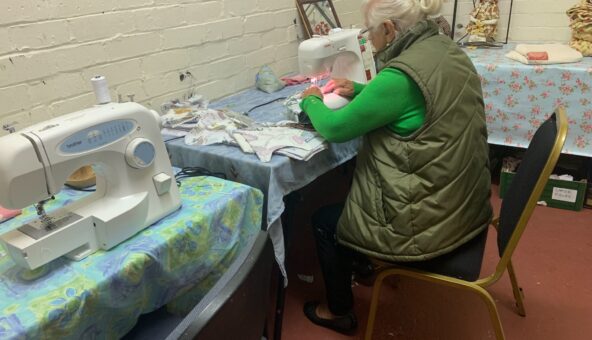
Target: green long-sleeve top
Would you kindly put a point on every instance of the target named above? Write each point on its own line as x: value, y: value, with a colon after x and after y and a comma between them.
x: 391, y: 99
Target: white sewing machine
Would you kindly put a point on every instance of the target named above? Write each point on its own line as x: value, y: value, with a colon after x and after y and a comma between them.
x: 135, y: 181
x: 344, y: 53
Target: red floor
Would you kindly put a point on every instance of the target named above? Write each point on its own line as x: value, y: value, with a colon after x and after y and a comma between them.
x: 553, y: 264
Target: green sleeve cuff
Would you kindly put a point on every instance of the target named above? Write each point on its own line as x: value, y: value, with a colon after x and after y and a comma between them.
x: 307, y: 100
x: 358, y: 88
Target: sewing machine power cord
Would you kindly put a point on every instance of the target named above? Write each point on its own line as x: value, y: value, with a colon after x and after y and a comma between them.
x: 172, y: 139
x: 195, y: 171
x: 186, y: 172
x: 266, y: 103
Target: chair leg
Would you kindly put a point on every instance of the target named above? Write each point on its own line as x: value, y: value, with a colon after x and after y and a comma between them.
x: 517, y: 290
x: 493, y: 315
x: 374, y: 303
x: 480, y: 291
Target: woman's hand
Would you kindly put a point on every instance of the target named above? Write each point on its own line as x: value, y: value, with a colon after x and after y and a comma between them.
x: 342, y: 87
x: 312, y: 91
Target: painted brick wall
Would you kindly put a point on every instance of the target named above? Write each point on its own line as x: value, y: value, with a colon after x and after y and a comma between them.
x: 532, y: 20
x: 50, y: 49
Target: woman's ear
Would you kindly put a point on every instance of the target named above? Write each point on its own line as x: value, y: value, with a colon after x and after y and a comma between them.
x: 390, y: 31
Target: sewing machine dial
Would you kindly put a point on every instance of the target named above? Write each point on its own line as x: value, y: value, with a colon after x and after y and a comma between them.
x: 140, y: 153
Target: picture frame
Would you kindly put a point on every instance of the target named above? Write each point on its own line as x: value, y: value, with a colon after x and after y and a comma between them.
x: 318, y: 17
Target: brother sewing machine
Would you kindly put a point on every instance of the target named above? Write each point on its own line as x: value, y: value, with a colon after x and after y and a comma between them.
x: 135, y: 181
x: 344, y: 53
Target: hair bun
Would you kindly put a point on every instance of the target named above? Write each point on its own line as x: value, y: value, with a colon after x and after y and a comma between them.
x: 430, y: 7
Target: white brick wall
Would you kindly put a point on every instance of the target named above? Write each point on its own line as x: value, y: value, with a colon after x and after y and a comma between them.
x: 532, y: 20
x: 50, y: 49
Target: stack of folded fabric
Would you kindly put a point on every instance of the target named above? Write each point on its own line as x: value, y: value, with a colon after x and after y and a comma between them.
x: 544, y: 54
x: 581, y: 27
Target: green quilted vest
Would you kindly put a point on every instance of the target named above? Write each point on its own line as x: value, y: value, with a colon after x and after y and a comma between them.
x: 417, y: 197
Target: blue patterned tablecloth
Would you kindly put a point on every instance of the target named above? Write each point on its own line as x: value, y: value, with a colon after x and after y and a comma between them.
x: 518, y: 98
x: 174, y: 261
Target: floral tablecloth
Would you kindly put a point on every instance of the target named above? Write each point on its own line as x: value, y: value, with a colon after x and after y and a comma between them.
x: 175, y: 261
x: 518, y: 98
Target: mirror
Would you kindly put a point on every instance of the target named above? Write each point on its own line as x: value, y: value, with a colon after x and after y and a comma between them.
x: 318, y: 17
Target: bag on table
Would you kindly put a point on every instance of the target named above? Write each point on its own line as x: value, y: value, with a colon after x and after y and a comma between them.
x: 267, y: 81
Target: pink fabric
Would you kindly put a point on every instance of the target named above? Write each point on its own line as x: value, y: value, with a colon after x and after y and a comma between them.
x: 6, y: 214
x: 295, y: 80
x: 537, y: 56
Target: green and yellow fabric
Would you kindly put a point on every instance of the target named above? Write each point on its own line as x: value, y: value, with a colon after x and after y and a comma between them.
x: 175, y: 261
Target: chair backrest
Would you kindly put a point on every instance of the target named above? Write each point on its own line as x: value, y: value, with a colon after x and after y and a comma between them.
x: 528, y: 183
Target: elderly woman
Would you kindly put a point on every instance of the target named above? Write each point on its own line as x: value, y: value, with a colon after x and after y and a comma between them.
x: 421, y: 186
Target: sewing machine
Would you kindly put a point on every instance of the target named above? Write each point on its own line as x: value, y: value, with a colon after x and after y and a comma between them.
x: 344, y: 53
x: 135, y: 181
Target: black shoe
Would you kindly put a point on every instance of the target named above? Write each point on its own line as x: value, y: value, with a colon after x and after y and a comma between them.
x: 345, y: 324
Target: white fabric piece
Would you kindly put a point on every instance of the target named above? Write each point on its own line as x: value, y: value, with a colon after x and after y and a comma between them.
x: 558, y: 54
x: 300, y: 154
x: 266, y: 141
x: 225, y: 127
x: 242, y: 142
x: 174, y: 118
x: 562, y: 177
x: 566, y: 178
x: 216, y: 127
x: 292, y: 105
x: 276, y: 234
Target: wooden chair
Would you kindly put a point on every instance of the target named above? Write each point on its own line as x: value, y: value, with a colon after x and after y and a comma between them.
x: 517, y: 207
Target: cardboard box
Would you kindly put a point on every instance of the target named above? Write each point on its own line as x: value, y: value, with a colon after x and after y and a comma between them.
x: 561, y: 194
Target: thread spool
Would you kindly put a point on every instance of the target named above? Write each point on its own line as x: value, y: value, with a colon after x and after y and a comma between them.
x: 101, y: 89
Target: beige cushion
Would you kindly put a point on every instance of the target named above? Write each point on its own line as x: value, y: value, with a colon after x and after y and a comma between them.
x: 558, y: 54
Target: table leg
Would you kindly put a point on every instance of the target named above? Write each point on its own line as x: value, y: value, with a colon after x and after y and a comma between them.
x: 279, y: 308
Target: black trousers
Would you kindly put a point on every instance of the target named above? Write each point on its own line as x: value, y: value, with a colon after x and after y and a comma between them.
x: 338, y: 262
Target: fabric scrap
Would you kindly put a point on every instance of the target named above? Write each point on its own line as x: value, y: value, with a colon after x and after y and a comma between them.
x: 216, y: 127
x: 7, y: 214
x: 537, y: 56
x: 300, y: 144
x: 295, y: 80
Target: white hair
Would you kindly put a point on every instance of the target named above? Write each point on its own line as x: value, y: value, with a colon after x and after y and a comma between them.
x: 404, y: 13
